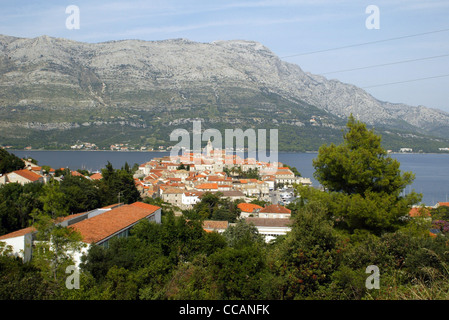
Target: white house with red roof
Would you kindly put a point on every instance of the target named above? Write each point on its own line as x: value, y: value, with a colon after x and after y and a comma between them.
x: 275, y: 211
x: 190, y: 198
x: 249, y: 209
x: 23, y: 176
x: 270, y: 228
x: 97, y: 226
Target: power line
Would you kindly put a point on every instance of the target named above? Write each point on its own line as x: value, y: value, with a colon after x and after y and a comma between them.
x: 398, y: 82
x: 387, y: 64
x: 365, y: 43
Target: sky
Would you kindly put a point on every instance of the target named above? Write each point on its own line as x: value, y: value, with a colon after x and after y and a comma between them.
x: 397, y: 50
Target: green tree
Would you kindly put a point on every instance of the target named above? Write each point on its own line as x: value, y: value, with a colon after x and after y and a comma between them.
x: 364, y: 184
x: 120, y: 284
x: 308, y: 256
x: 251, y: 174
x: 46, y: 169
x: 23, y: 281
x: 117, y: 184
x: 242, y: 234
x: 294, y: 170
x: 62, y: 172
x: 84, y: 172
x: 440, y: 213
x: 81, y: 194
x: 192, y: 281
x: 53, y: 200
x: 16, y: 205
x: 55, y: 246
x: 238, y: 273
x: 9, y: 162
x: 359, y: 165
x: 261, y: 203
x: 214, y: 207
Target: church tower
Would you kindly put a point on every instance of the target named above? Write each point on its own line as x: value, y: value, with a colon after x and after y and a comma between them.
x: 209, y: 148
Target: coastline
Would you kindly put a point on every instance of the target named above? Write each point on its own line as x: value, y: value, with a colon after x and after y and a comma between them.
x: 162, y: 151
x: 431, y: 170
x: 70, y: 150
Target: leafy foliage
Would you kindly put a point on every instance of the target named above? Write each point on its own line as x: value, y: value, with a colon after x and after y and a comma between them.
x: 307, y: 257
x: 9, y: 162
x: 214, y: 207
x: 117, y: 183
x: 364, y: 184
x: 360, y: 220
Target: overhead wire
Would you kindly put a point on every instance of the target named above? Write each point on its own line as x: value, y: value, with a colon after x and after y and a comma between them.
x: 384, y: 64
x: 405, y: 81
x: 365, y: 43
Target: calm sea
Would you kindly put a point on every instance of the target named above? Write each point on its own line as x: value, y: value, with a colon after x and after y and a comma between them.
x: 431, y: 170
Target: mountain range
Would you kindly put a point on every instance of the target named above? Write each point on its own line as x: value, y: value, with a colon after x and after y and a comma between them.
x: 56, y: 92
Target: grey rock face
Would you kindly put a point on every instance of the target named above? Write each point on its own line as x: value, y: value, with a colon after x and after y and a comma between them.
x: 54, y: 74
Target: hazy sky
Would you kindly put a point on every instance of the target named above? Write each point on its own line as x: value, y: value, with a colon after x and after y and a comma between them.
x: 410, y: 41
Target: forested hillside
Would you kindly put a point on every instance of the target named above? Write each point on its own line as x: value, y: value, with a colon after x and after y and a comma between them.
x: 360, y: 220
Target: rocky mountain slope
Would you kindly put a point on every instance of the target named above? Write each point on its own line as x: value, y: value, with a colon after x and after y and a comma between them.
x: 56, y: 91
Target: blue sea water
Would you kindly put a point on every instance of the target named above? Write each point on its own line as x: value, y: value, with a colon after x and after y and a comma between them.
x: 431, y: 170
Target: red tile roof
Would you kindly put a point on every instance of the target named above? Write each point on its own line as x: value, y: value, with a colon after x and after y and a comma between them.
x: 248, y: 207
x: 145, y: 206
x: 172, y: 190
x: 18, y: 233
x: 193, y: 193
x: 443, y: 204
x: 104, y: 225
x: 275, y: 208
x: 96, y: 176
x: 207, y: 186
x: 27, y: 174
x: 419, y: 212
x: 215, y: 178
x: 214, y: 225
x: 31, y: 229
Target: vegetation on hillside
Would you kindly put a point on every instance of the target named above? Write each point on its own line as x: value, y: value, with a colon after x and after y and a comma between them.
x: 9, y: 162
x: 359, y: 220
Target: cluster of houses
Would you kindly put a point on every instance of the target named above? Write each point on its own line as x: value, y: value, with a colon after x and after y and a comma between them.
x: 180, y: 181
x: 84, y: 146
x: 33, y: 173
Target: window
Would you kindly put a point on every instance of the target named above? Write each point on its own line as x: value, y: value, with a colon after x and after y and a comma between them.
x: 105, y: 244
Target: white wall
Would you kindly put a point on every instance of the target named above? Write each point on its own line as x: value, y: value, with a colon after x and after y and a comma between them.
x: 271, y: 233
x: 21, y: 246
x: 274, y: 215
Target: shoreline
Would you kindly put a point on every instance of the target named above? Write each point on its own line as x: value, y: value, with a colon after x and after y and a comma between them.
x: 84, y: 150
x: 161, y: 151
